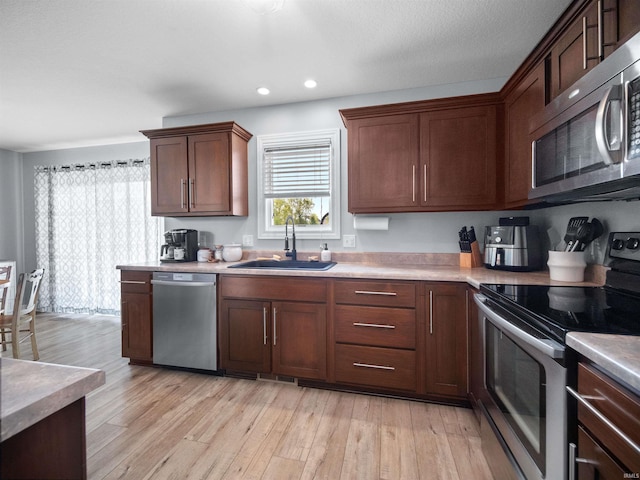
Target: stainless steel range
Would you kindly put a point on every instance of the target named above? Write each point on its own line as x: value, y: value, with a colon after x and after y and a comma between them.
x: 527, y: 365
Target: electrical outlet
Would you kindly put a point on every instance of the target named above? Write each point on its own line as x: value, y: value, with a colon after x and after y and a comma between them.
x: 247, y: 240
x: 349, y: 241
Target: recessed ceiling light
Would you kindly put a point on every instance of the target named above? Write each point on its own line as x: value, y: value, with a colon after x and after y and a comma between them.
x: 311, y: 83
x: 263, y: 91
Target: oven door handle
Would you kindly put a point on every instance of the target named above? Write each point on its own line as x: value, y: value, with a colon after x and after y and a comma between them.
x: 547, y: 346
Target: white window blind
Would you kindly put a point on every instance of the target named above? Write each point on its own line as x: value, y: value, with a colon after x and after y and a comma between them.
x: 298, y: 171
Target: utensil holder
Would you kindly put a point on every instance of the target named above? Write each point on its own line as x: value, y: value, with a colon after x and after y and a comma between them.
x: 566, y: 266
x: 471, y: 259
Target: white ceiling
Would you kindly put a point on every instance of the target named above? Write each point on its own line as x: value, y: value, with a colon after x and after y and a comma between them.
x: 90, y: 72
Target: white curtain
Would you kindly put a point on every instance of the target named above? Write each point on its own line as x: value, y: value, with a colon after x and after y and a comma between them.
x: 90, y: 218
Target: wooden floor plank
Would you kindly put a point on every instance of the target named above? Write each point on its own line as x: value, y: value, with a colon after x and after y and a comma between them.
x: 150, y: 422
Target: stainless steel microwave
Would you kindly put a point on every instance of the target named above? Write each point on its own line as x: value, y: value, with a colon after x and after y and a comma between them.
x: 587, y: 141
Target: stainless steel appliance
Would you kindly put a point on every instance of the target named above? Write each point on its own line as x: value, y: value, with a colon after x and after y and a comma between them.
x: 512, y: 247
x: 527, y: 366
x: 587, y: 143
x: 184, y: 320
x: 183, y: 240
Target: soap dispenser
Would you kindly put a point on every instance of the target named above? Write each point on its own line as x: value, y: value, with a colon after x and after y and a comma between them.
x: 325, y: 253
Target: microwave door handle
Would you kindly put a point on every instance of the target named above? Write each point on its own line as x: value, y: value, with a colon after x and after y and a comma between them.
x: 606, y: 141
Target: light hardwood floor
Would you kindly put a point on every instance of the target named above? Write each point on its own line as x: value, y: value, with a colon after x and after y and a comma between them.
x: 151, y: 423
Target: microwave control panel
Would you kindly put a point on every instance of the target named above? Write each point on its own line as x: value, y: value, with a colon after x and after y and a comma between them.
x: 633, y: 120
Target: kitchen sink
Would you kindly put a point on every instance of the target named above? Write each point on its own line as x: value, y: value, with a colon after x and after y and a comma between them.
x: 285, y: 265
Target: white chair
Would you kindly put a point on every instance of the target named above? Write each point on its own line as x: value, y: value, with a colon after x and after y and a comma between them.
x: 23, y: 319
x: 5, y: 278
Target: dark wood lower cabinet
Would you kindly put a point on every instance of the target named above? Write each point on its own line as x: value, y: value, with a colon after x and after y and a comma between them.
x: 600, y: 465
x: 447, y: 339
x: 243, y: 336
x: 266, y: 334
x: 387, y: 368
x: 136, y: 316
x: 607, y: 413
x: 404, y: 337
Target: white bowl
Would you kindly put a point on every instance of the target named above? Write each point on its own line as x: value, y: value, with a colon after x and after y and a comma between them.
x: 232, y: 252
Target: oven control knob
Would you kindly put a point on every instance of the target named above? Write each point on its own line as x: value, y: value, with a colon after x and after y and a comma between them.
x: 497, y: 239
x: 633, y: 243
x: 617, y: 244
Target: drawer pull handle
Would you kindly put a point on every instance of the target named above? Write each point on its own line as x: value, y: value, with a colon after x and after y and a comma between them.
x: 368, y: 365
x: 604, y: 420
x: 373, y: 325
x: 133, y: 282
x: 370, y: 292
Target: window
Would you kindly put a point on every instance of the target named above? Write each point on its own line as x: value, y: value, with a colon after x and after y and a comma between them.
x: 299, y: 176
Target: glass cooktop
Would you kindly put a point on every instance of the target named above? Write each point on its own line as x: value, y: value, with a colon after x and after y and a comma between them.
x: 563, y: 309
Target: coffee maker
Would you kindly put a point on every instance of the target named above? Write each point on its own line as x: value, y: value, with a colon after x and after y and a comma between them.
x: 181, y: 245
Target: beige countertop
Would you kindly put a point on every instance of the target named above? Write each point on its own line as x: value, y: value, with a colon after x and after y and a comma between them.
x: 618, y: 354
x: 415, y: 271
x: 31, y: 391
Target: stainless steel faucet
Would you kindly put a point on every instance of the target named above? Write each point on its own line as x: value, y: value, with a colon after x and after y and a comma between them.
x: 293, y: 254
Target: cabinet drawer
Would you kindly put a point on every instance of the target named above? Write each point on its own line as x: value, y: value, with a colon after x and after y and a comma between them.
x: 376, y: 367
x: 135, y: 281
x: 387, y: 294
x: 599, y: 464
x: 274, y: 288
x: 377, y: 326
x: 619, y: 406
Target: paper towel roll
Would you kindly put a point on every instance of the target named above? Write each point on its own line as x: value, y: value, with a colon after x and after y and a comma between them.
x: 370, y: 223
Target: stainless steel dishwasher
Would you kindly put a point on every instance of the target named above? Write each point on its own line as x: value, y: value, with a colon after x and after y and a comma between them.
x: 184, y: 320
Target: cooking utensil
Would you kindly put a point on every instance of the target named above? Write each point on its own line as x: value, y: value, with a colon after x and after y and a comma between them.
x: 583, y: 236
x: 587, y: 233
x: 572, y: 230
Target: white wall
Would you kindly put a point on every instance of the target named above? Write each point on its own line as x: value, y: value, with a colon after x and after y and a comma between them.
x: 11, y: 208
x: 410, y: 232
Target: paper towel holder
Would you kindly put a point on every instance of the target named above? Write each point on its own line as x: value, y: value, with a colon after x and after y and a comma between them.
x: 370, y: 222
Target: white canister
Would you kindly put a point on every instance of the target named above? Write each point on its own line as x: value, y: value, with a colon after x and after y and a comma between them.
x: 204, y: 254
x: 232, y: 252
x: 566, y: 266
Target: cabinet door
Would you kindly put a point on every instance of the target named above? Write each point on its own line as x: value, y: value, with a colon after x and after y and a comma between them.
x: 299, y: 339
x: 209, y: 173
x: 244, y: 336
x: 458, y: 158
x: 383, y: 163
x: 446, y: 369
x: 169, y: 176
x: 136, y: 326
x: 475, y: 362
x: 628, y: 20
x: 576, y: 52
x: 526, y: 100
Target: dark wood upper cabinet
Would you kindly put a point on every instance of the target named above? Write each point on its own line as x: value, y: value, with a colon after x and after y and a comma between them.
x: 458, y: 158
x: 383, y: 159
x: 598, y: 29
x: 436, y: 155
x: 199, y: 170
x: 524, y: 101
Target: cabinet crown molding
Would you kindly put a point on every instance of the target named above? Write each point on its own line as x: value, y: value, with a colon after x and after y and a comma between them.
x: 230, y: 127
x: 420, y: 106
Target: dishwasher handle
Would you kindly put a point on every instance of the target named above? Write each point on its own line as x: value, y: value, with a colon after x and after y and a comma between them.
x: 183, y: 284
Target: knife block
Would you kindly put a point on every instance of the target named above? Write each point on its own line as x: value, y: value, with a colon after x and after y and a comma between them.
x: 471, y: 259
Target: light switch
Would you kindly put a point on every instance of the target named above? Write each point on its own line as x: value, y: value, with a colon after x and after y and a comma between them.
x: 247, y: 240
x: 349, y: 241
